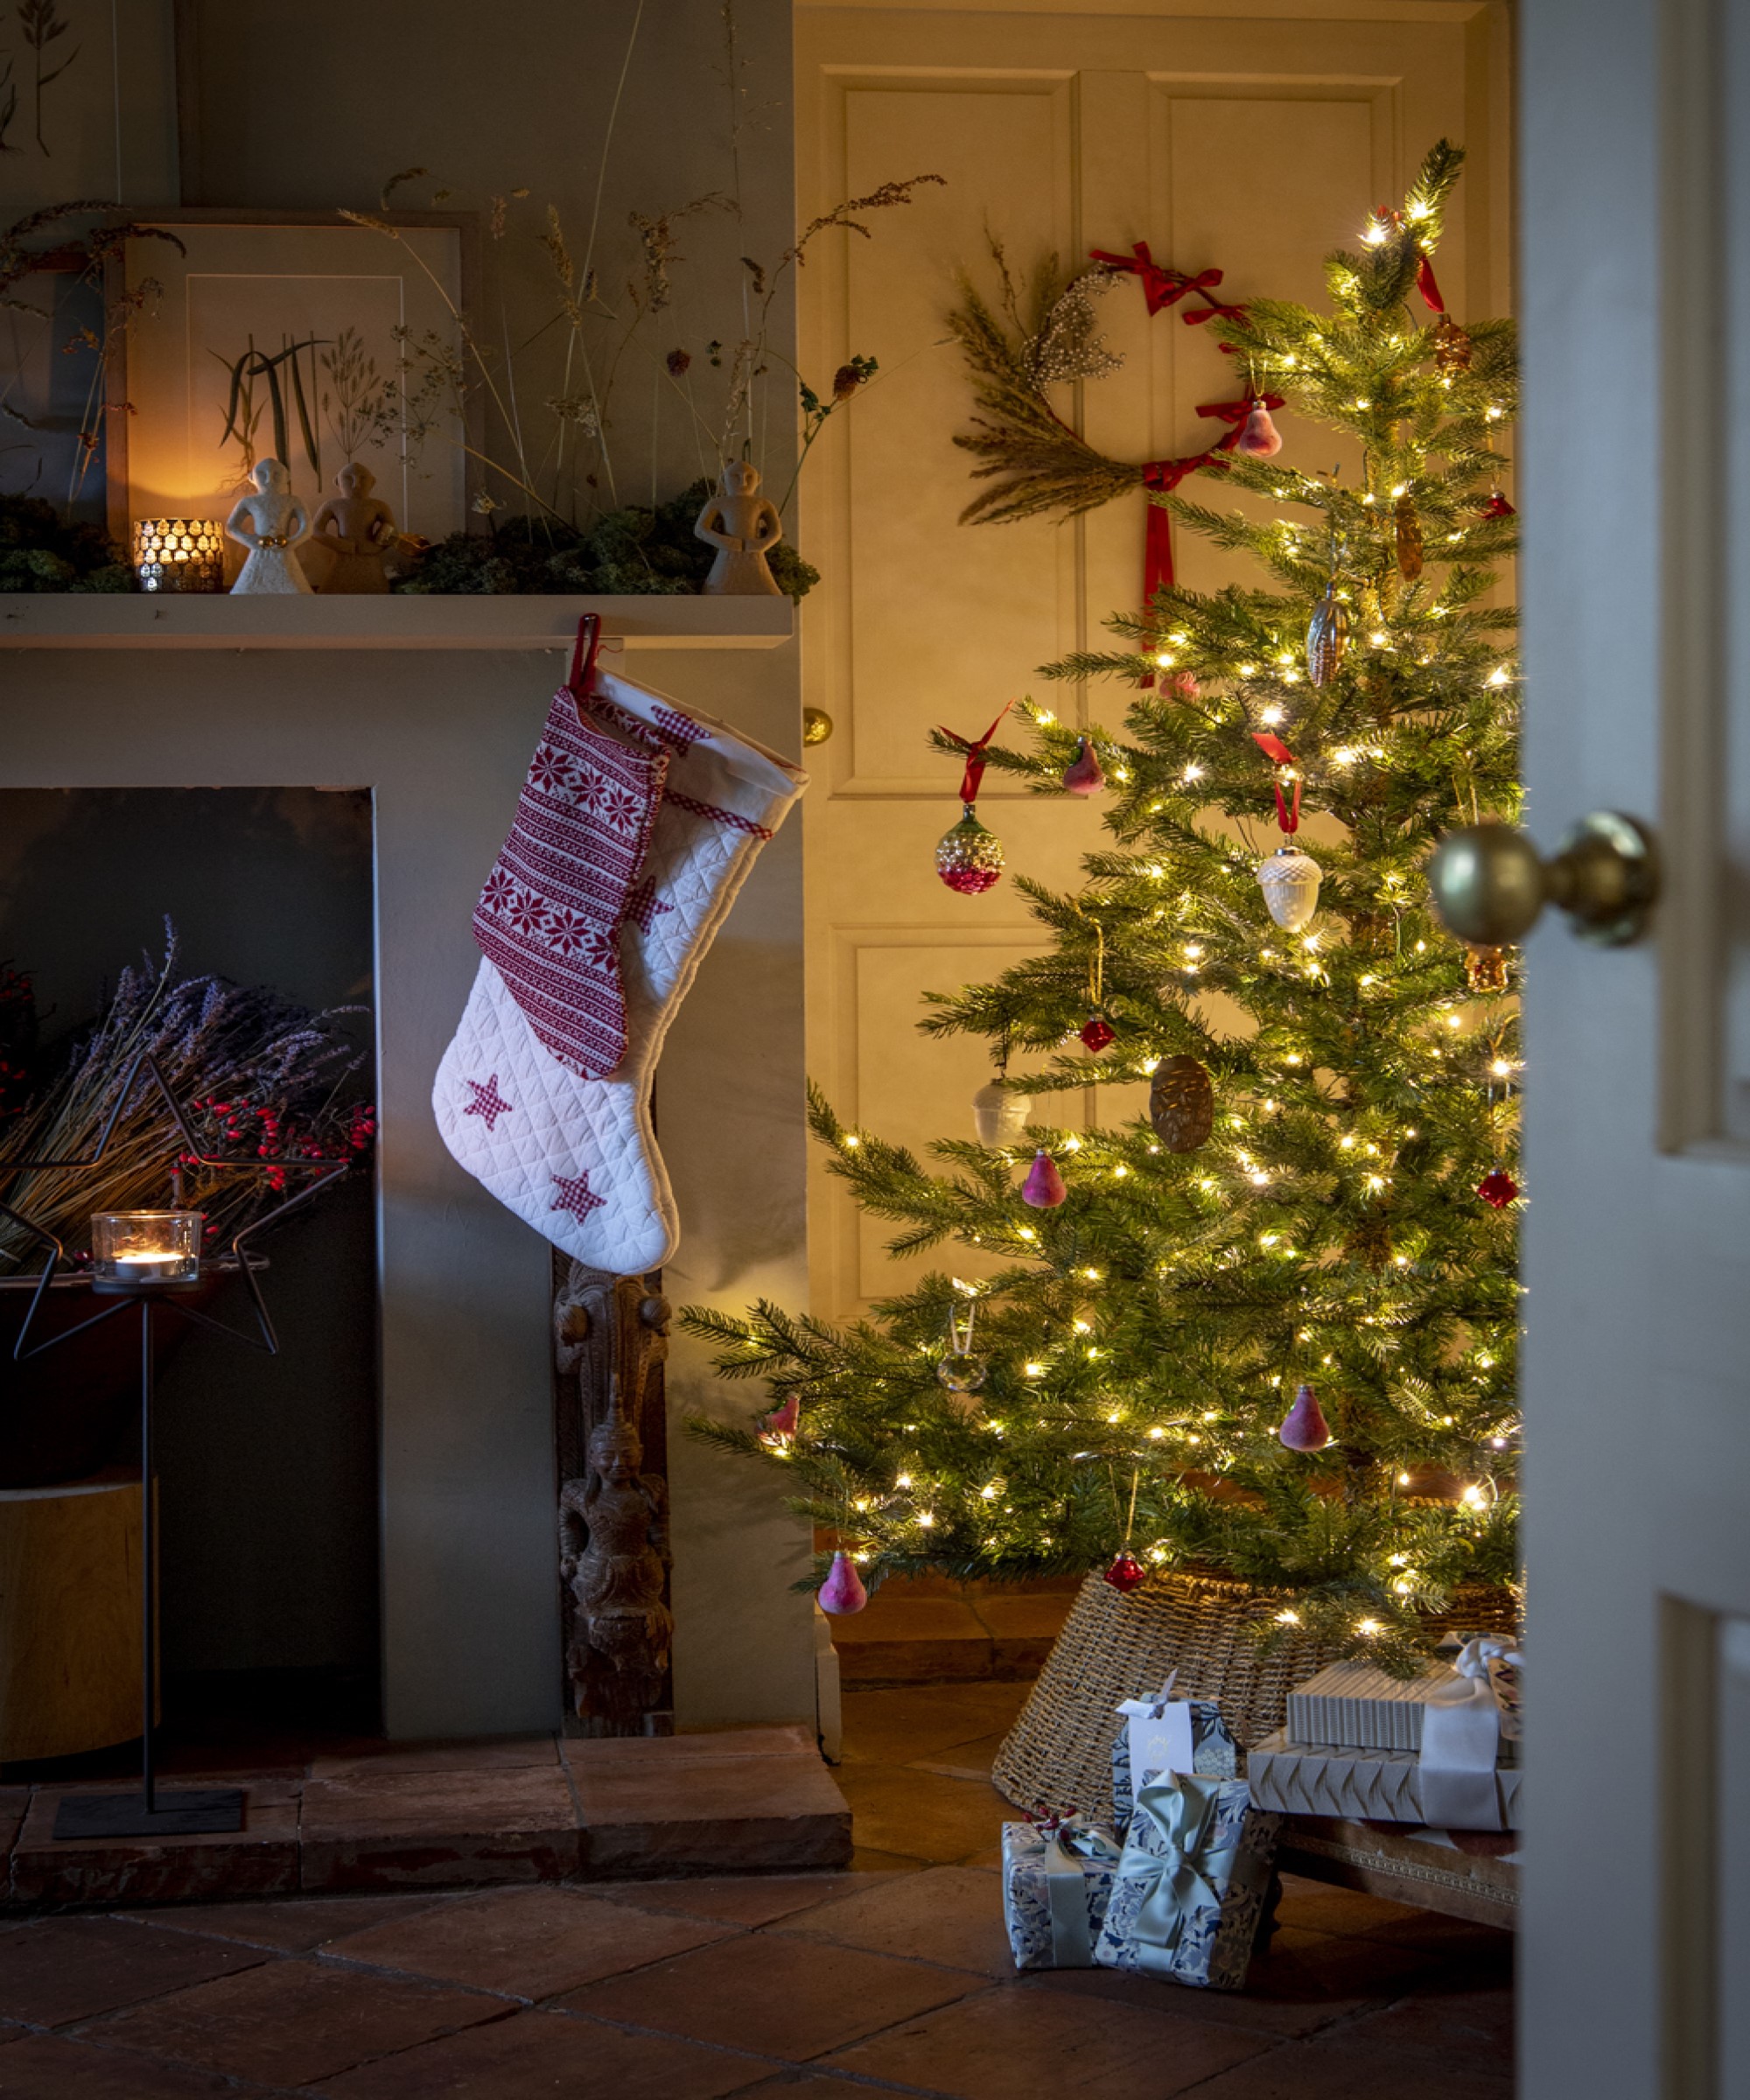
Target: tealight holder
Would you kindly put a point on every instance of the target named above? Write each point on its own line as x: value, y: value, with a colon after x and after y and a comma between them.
x: 137, y: 1250
x: 179, y: 553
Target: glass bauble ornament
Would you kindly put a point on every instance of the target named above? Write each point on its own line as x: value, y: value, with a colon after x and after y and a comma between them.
x: 1000, y: 1116
x: 1126, y: 1573
x: 970, y: 858
x: 1407, y: 529
x: 1498, y: 1188
x: 961, y: 1372
x: 1290, y: 881
x: 1181, y: 1103
x: 1259, y: 438
x: 1485, y: 970
x: 1328, y: 636
x: 842, y: 1591
x: 1497, y: 506
x: 1097, y: 1031
x: 1305, y: 1428
x: 1083, y: 774
x: 1043, y: 1188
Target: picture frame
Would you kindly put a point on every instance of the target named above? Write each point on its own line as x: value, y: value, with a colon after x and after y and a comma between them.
x: 250, y: 331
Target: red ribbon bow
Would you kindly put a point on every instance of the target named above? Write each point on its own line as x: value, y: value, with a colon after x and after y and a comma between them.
x: 1162, y: 286
x: 1287, y: 813
x: 974, y: 774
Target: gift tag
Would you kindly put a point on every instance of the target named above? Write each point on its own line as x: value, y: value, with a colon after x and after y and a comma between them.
x: 1159, y: 1734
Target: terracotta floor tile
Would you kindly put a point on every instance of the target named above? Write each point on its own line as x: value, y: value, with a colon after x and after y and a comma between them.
x: 1257, y: 2009
x: 791, y: 1999
x: 739, y: 1899
x: 1302, y: 1965
x: 920, y: 1814
x: 49, y: 2067
x: 527, y: 1943
x: 1020, y: 2042
x: 1347, y: 1911
x: 963, y: 1760
x: 808, y: 2085
x: 66, y: 1969
x: 1341, y: 2067
x: 488, y: 1753
x: 1467, y: 2026
x: 950, y: 1914
x: 292, y: 2022
x: 554, y: 2056
x: 404, y: 1830
x: 293, y: 1924
x: 907, y: 1725
x: 865, y: 1860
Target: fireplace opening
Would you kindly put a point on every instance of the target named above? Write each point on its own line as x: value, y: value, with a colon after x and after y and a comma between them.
x: 267, y: 1466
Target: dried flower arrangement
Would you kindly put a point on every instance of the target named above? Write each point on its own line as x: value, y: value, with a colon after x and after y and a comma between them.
x: 261, y: 1077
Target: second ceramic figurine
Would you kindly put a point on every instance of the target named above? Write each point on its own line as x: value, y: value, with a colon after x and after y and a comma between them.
x: 358, y: 530
x: 270, y: 523
x: 743, y: 526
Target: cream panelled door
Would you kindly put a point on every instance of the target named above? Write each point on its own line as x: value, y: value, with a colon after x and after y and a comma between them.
x: 1250, y: 141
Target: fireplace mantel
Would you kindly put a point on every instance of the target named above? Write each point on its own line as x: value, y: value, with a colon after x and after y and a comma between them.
x: 99, y: 620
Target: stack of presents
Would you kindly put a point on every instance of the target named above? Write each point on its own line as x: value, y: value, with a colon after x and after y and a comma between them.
x: 1179, y: 1884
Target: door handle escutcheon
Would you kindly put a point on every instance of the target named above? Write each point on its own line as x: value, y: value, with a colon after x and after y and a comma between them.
x: 1489, y: 882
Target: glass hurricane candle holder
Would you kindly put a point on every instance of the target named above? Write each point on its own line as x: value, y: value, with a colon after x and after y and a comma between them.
x: 145, y: 1250
x: 179, y: 553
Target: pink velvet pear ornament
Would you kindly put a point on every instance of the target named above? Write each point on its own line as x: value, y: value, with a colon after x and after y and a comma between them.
x: 1044, y: 1187
x: 1260, y: 439
x: 1305, y: 1428
x: 1083, y: 774
x: 782, y: 1421
x: 842, y: 1591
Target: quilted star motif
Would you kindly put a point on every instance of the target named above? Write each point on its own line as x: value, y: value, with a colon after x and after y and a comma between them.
x: 643, y: 905
x: 574, y: 1196
x: 488, y: 1103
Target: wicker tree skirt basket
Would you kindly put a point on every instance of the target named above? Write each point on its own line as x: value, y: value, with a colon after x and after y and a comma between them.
x: 1113, y: 1648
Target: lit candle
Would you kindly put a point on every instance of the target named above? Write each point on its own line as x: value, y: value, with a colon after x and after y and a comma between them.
x: 145, y: 1250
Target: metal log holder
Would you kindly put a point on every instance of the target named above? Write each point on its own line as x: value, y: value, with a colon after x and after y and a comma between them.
x: 85, y: 1816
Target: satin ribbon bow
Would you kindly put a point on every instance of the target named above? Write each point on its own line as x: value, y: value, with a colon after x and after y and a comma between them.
x: 1185, y: 1872
x: 1287, y: 813
x: 1461, y: 1741
x: 1162, y: 286
x: 971, y: 779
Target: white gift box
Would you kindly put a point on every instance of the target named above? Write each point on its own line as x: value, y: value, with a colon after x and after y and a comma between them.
x: 1057, y: 1880
x: 1357, y: 1705
x: 1380, y: 1786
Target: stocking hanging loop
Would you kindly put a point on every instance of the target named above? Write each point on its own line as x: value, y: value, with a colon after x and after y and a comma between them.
x: 584, y: 650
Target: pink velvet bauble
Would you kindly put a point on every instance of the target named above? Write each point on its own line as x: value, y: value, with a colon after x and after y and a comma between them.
x: 842, y: 1591
x: 1305, y: 1428
x: 1083, y: 774
x: 1044, y: 1187
x: 1260, y: 439
x: 782, y: 1421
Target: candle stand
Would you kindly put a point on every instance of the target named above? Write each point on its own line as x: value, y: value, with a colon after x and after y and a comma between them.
x: 147, y: 1262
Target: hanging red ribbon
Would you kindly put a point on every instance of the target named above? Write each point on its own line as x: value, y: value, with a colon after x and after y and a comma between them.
x: 1162, y: 286
x: 974, y: 774
x: 1161, y: 477
x: 1426, y: 282
x: 1287, y: 811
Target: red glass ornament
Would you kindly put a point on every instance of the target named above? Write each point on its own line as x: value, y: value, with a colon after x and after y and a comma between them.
x: 968, y: 858
x: 1126, y: 1573
x: 1498, y: 506
x: 1305, y: 1429
x: 1097, y: 1032
x: 1498, y: 1189
x: 1043, y: 1189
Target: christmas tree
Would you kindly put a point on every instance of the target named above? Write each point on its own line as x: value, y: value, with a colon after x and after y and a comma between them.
x: 1268, y: 1328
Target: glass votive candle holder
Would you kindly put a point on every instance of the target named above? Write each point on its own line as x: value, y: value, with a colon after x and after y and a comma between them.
x: 145, y: 1250
x: 179, y: 553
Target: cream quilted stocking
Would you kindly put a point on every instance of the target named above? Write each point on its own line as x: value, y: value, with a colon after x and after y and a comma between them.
x: 575, y: 1156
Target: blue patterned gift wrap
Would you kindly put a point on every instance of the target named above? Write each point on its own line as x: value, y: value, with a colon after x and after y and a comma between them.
x: 1215, y: 1754
x: 1190, y: 1889
x: 1056, y: 1880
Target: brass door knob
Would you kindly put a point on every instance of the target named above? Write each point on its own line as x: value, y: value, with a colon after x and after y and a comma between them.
x: 1489, y: 882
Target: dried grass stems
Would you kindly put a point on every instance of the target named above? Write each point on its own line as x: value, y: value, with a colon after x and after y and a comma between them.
x: 1041, y: 332
x: 260, y: 1077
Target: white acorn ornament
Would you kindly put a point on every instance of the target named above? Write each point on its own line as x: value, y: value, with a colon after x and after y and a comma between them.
x: 1290, y: 881
x: 1000, y: 1116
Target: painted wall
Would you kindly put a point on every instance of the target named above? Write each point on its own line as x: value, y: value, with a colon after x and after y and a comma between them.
x: 491, y: 101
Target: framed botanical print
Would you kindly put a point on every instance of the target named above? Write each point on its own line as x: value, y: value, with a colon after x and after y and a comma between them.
x: 256, y: 336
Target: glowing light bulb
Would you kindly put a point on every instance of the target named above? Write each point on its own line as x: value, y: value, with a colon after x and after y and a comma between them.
x: 904, y: 1480
x: 851, y: 1141
x: 1369, y: 1627
x: 1271, y: 715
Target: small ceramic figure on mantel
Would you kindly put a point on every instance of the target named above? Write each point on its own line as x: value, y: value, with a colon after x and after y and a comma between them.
x: 743, y: 526
x: 270, y: 523
x: 358, y: 530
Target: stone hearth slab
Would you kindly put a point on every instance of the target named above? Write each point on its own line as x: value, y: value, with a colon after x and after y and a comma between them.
x: 439, y: 1829
x: 261, y: 1859
x: 702, y: 1805
x: 487, y: 1753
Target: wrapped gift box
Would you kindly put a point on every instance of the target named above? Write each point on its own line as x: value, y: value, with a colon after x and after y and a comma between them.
x: 1356, y: 1705
x: 1056, y: 1884
x: 1215, y: 1754
x: 1380, y: 1786
x: 1190, y: 1891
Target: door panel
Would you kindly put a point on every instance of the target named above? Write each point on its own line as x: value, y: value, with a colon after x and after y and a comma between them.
x: 1251, y: 143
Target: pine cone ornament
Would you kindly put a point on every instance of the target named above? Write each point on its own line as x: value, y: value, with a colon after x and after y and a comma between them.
x: 1290, y: 881
x: 1485, y: 970
x: 1182, y: 1104
x: 999, y: 1115
x: 1328, y: 636
x: 1409, y: 540
x: 1452, y: 348
x: 970, y: 858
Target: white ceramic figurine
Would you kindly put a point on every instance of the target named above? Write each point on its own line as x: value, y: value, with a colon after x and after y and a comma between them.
x: 270, y: 523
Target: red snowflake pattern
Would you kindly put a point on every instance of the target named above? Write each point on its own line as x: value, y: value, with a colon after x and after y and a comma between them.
x: 500, y: 892
x: 551, y: 771
x: 568, y: 932
x: 527, y: 914
x: 617, y: 807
